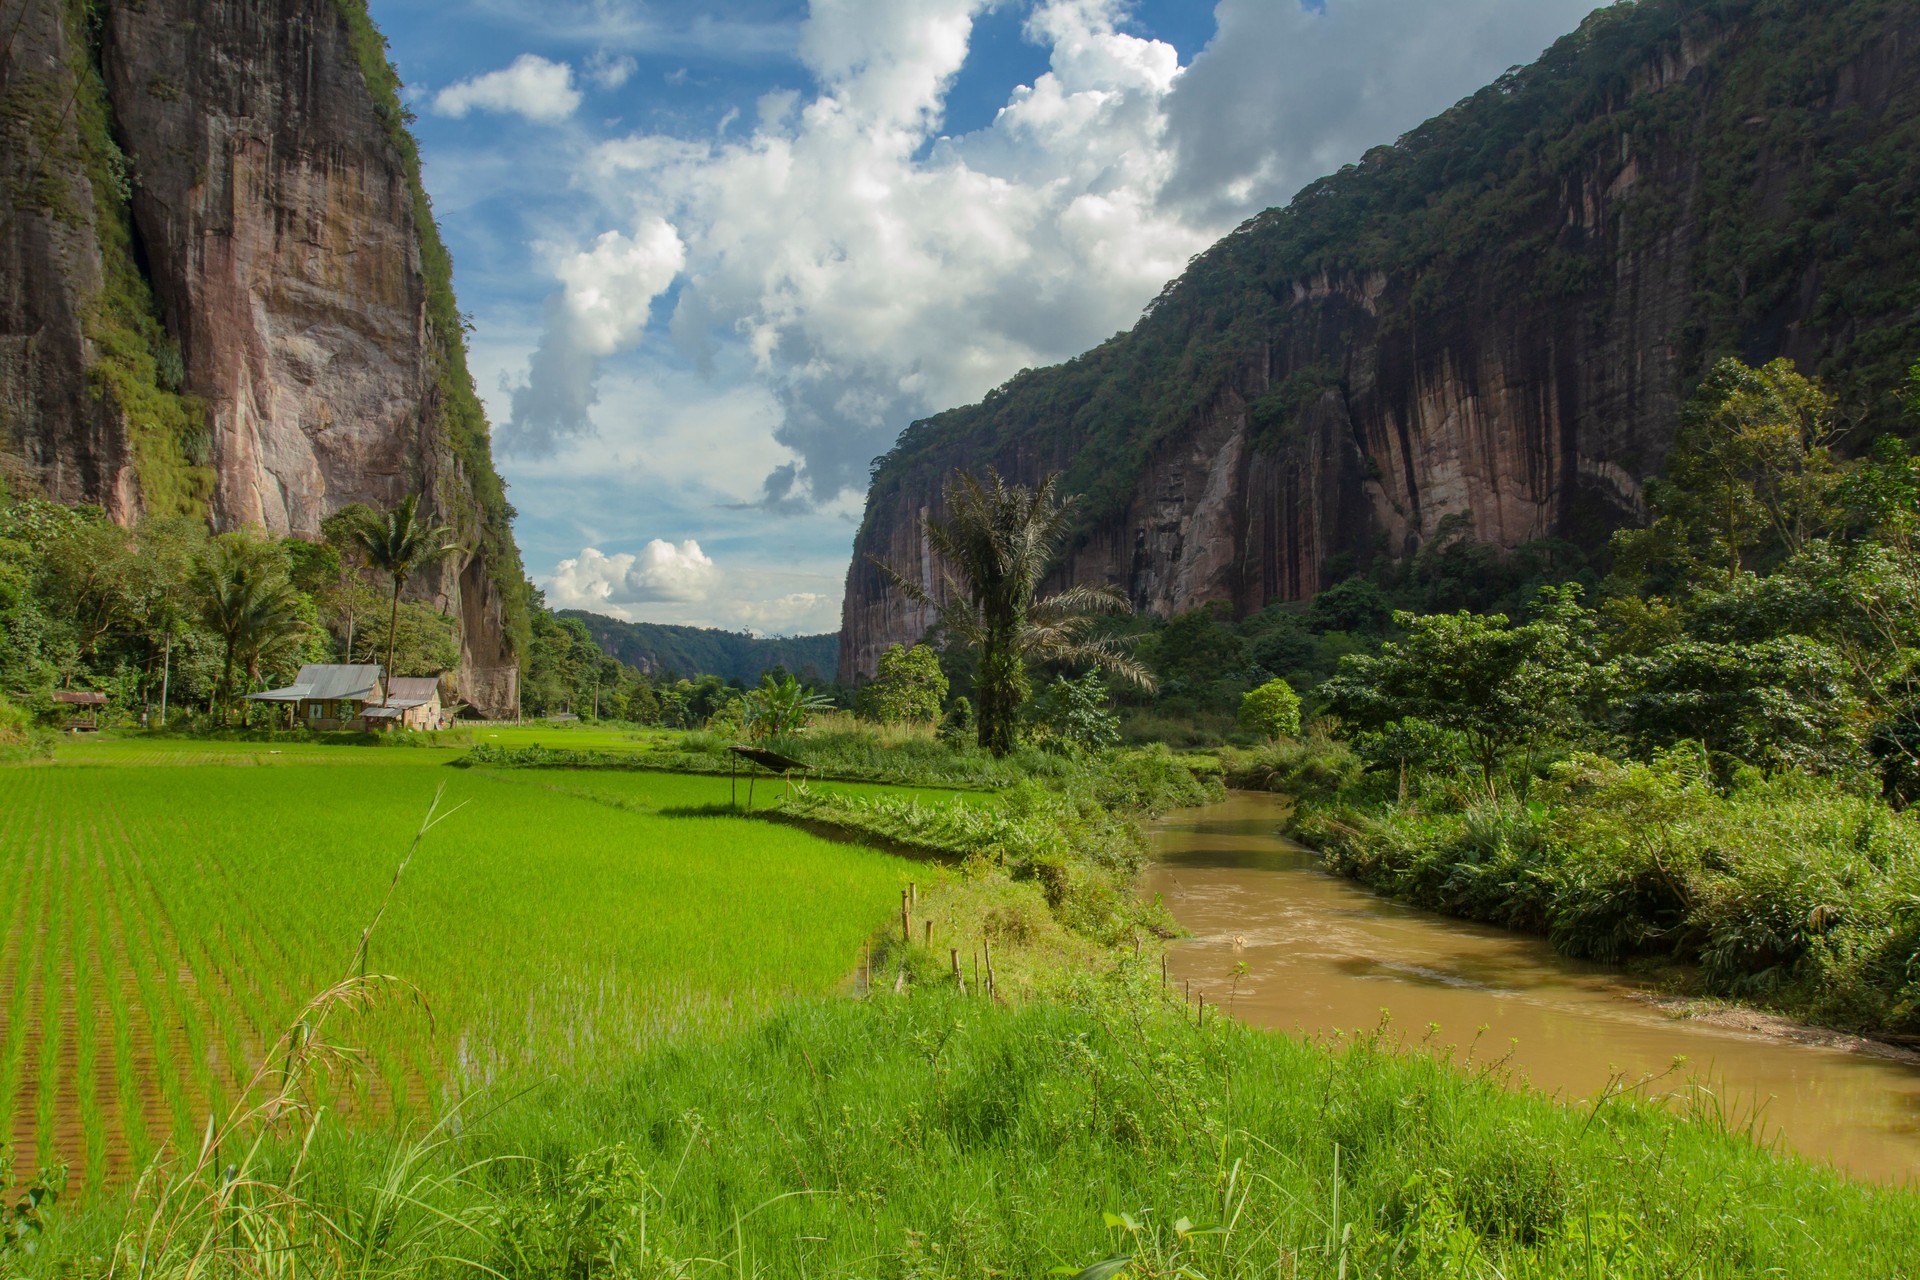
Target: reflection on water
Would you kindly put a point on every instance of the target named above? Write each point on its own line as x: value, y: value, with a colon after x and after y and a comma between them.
x: 1322, y: 955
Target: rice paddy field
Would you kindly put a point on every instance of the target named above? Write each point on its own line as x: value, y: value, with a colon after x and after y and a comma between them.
x: 169, y: 905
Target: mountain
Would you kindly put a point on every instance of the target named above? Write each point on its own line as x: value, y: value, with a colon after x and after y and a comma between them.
x: 224, y: 294
x: 1492, y: 322
x: 689, y: 651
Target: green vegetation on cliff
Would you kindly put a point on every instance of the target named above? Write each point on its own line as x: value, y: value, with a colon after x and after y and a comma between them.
x: 1739, y: 130
x: 708, y: 651
x: 136, y: 363
x: 458, y: 405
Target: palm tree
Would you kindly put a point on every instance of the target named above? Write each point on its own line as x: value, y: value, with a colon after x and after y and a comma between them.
x: 246, y: 600
x: 398, y: 545
x: 998, y: 543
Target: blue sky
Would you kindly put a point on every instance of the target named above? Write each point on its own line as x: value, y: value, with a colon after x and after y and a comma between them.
x: 719, y: 254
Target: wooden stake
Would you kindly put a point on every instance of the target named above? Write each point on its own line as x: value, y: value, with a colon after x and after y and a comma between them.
x: 929, y: 924
x: 1163, y: 972
x: 906, y: 917
x: 959, y: 982
x: 913, y: 887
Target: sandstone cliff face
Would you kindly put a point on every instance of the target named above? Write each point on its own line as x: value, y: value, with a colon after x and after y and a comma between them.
x: 1281, y: 425
x: 275, y: 223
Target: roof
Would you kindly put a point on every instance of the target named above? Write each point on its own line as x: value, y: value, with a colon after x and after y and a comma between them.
x: 80, y: 698
x: 413, y: 690
x: 326, y: 682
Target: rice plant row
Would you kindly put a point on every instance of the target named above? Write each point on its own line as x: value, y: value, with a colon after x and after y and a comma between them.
x: 162, y: 925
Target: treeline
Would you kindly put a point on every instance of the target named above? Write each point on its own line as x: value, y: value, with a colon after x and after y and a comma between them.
x: 732, y: 655
x: 1708, y: 757
x: 164, y: 614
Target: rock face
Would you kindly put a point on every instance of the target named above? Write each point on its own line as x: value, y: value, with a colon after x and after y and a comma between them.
x: 264, y: 201
x: 1435, y: 336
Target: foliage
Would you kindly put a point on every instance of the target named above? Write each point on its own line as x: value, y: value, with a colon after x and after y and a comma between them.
x: 1074, y: 715
x: 1272, y: 710
x: 997, y: 544
x: 1502, y: 687
x: 247, y: 601
x: 1751, y: 474
x: 908, y: 687
x: 780, y: 707
x: 667, y: 653
x: 399, y: 544
x: 567, y: 672
x: 1716, y: 761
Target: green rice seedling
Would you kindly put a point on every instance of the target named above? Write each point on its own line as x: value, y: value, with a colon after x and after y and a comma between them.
x: 567, y: 931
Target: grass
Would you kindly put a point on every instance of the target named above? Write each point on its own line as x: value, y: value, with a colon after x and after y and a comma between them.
x: 164, y: 921
x: 942, y: 1137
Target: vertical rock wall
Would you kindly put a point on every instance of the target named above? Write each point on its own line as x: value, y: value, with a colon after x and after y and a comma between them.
x: 1291, y: 424
x: 274, y: 221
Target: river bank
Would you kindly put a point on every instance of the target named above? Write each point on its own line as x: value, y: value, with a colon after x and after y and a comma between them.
x: 1284, y: 943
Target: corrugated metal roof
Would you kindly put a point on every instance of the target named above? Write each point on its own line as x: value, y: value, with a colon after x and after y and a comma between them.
x: 326, y: 682
x: 413, y: 690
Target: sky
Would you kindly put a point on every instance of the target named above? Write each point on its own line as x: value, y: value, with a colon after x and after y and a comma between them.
x: 718, y: 254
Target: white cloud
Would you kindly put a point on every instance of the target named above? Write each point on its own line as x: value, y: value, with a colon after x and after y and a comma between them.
x: 869, y: 270
x: 662, y: 571
x: 532, y: 87
x: 609, y: 292
x: 609, y: 71
x: 679, y: 583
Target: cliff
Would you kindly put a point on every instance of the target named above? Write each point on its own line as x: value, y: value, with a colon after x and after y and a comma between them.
x: 225, y: 293
x: 1496, y: 318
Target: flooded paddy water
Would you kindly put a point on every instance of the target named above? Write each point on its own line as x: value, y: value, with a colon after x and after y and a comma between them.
x: 1321, y: 955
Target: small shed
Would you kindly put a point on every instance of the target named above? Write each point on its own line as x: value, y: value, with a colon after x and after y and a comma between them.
x: 412, y: 702
x: 85, y: 714
x: 327, y: 695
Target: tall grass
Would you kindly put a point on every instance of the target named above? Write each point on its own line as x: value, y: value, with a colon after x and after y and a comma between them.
x: 1789, y: 890
x: 935, y: 1136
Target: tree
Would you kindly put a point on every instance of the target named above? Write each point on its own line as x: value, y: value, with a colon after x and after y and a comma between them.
x: 1272, y: 710
x: 1751, y: 473
x: 1498, y: 685
x: 779, y: 707
x: 909, y: 687
x: 1075, y: 716
x: 246, y: 600
x: 397, y: 544
x: 996, y: 545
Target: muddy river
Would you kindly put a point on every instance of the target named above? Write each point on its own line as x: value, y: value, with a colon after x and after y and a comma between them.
x: 1323, y: 955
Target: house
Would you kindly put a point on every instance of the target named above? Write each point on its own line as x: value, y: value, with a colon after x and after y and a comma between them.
x: 329, y: 695
x: 413, y: 702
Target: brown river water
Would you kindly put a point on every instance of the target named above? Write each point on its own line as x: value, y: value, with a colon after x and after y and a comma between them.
x: 1322, y: 955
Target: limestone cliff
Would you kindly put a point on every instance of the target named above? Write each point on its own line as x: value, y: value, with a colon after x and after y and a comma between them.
x: 1496, y: 319
x: 225, y: 291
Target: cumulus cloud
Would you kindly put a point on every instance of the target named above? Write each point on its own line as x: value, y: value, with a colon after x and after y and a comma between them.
x: 874, y: 270
x: 688, y: 587
x: 662, y: 572
x: 608, y: 294
x: 1283, y: 94
x: 532, y: 87
x: 608, y: 70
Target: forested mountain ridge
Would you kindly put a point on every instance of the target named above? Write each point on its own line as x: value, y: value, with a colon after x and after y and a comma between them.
x: 656, y: 648
x: 1493, y: 321
x: 222, y: 292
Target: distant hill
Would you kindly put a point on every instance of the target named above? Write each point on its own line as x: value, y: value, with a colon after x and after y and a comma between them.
x: 692, y: 651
